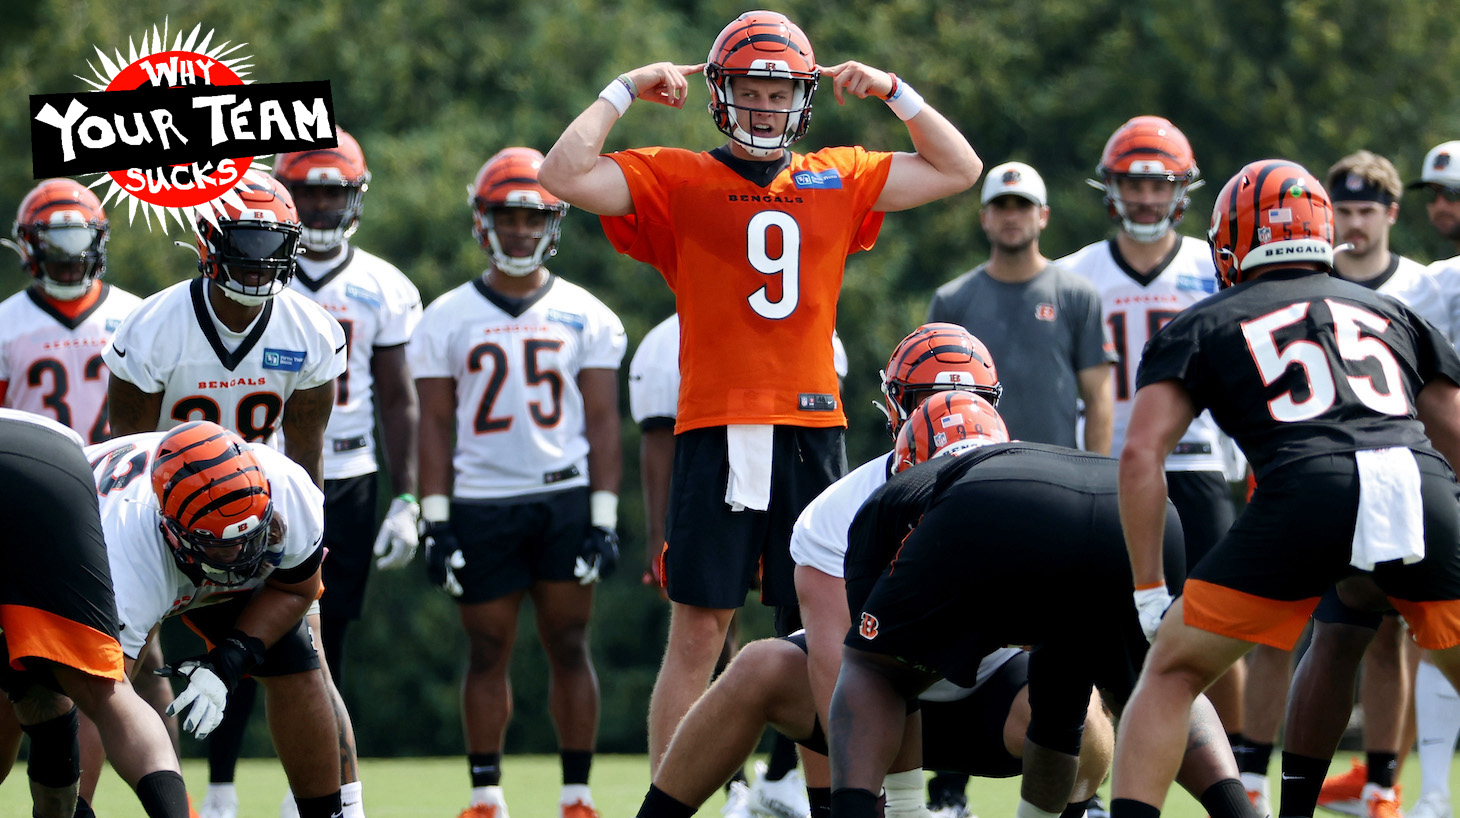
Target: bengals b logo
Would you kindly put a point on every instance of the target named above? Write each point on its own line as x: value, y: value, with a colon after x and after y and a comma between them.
x: 868, y: 628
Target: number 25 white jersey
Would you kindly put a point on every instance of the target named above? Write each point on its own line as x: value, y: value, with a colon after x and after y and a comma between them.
x: 519, y: 412
x: 1135, y: 308
x: 173, y: 344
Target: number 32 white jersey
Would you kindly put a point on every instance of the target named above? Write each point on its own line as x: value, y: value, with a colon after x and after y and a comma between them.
x: 148, y: 582
x: 174, y: 345
x: 1135, y: 307
x: 519, y: 412
x: 52, y: 364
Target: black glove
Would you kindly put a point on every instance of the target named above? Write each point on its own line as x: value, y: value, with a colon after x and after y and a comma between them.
x: 599, y: 556
x: 443, y: 556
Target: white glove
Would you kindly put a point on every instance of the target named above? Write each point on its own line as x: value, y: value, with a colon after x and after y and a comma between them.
x: 396, y: 543
x: 206, y: 693
x: 1151, y: 605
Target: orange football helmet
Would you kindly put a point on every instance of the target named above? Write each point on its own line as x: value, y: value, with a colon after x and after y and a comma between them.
x: 212, y: 494
x: 60, y: 232
x: 342, y: 166
x: 936, y: 357
x: 761, y: 44
x: 1147, y: 147
x: 941, y: 423
x: 509, y: 179
x: 1272, y: 212
x: 256, y: 235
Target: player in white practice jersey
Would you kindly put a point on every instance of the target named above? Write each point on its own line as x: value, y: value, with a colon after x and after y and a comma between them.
x: 521, y: 368
x: 237, y: 347
x: 378, y: 307
x: 1146, y: 274
x: 202, y: 525
x: 52, y: 333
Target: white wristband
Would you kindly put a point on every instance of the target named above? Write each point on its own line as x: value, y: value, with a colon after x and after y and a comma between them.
x: 905, y: 101
x: 435, y: 508
x: 617, y: 94
x: 603, y: 509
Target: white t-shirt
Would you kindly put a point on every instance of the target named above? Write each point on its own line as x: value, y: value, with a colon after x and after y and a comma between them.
x: 520, y: 426
x: 377, y: 306
x: 1134, y: 311
x: 175, y: 345
x: 1446, y: 275
x: 654, y: 371
x: 53, y: 364
x: 149, y: 584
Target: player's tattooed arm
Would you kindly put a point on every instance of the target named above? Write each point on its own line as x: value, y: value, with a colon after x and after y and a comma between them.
x: 130, y: 410
x: 305, y: 415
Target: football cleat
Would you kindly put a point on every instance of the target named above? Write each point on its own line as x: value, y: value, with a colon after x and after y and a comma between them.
x: 737, y: 801
x: 1341, y: 793
x: 1257, y: 793
x: 1431, y: 805
x: 785, y: 798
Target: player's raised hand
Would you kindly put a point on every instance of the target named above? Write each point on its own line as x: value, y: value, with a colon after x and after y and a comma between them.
x: 663, y: 82
x: 852, y: 77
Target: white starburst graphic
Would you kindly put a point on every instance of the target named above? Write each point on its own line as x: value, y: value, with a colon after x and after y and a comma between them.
x: 154, y: 42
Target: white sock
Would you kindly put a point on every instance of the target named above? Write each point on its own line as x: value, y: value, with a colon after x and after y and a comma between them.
x: 288, y: 808
x: 351, y: 800
x: 1437, y: 713
x: 223, y: 792
x: 488, y: 795
x: 576, y: 793
x: 905, y: 794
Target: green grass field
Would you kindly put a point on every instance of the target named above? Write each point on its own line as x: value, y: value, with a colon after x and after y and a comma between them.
x: 437, y: 788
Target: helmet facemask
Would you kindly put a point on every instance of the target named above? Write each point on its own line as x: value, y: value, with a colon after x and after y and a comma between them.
x: 189, y: 548
x: 242, y: 247
x: 1147, y: 233
x: 324, y: 230
x: 727, y: 113
x: 547, y: 238
x: 65, y: 244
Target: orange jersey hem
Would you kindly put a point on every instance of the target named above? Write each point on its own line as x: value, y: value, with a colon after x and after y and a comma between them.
x: 32, y: 632
x: 1251, y: 618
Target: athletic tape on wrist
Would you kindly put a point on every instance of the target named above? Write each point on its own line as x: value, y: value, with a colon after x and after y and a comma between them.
x: 603, y: 510
x: 436, y: 508
x: 905, y: 101
x: 618, y: 94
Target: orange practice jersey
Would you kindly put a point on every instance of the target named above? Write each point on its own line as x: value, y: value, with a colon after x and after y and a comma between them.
x: 756, y: 272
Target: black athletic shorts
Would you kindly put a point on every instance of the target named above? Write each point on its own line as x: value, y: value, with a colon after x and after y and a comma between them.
x: 1294, y: 541
x: 509, y: 545
x: 56, y: 598
x: 349, y: 534
x: 1204, y: 502
x: 714, y: 554
x: 963, y: 736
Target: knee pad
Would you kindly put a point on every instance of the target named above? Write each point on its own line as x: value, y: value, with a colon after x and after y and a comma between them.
x: 55, y: 752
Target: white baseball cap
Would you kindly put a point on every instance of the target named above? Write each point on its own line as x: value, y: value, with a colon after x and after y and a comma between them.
x: 1441, y: 167
x: 1015, y: 179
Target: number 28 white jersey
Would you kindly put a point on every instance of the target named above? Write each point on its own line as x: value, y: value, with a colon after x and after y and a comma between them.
x: 173, y: 344
x: 377, y: 306
x: 1135, y: 307
x: 519, y: 412
x: 53, y: 364
x: 148, y: 582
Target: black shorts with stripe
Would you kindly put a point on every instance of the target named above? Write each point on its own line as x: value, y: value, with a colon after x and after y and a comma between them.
x: 56, y: 598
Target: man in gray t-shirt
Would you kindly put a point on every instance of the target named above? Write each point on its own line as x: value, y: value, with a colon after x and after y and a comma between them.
x: 1042, y: 324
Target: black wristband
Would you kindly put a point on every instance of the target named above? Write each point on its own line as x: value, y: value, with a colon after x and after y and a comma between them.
x: 235, y: 656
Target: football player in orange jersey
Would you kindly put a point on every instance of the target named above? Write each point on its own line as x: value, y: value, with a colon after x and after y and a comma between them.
x: 752, y: 239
